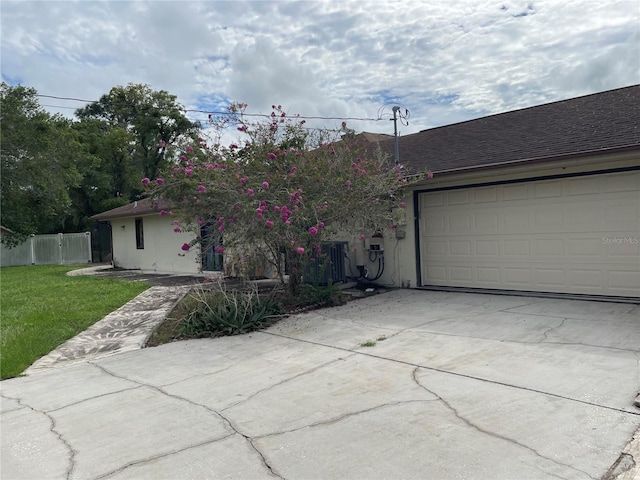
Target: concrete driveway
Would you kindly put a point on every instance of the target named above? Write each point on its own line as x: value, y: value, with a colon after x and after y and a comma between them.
x: 457, y: 386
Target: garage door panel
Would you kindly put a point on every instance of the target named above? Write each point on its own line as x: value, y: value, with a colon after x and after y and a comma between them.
x: 548, y: 189
x: 485, y: 195
x: 519, y: 191
x: 550, y: 278
x: 570, y: 235
x: 549, y: 247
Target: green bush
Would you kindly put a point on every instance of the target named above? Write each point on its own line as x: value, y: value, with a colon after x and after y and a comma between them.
x: 220, y: 313
x: 320, y: 295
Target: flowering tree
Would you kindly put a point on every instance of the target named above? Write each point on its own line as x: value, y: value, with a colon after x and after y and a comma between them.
x: 283, y: 190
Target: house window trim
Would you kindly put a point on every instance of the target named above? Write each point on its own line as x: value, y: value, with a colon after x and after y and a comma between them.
x: 139, y: 233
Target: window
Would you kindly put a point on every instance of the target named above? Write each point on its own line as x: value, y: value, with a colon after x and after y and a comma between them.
x: 139, y: 234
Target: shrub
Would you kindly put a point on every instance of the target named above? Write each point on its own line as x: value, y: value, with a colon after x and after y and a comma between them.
x: 322, y: 296
x: 220, y: 313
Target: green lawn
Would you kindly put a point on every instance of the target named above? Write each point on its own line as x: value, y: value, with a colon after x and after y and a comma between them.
x: 41, y: 307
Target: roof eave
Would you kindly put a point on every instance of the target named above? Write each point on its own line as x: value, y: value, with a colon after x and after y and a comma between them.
x: 588, y: 153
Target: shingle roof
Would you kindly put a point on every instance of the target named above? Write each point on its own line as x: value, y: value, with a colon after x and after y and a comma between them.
x: 593, y: 123
x: 139, y: 208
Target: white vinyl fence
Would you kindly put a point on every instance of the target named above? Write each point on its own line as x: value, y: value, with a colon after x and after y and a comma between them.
x: 55, y: 249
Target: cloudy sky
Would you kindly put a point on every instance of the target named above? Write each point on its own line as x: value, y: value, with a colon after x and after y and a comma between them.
x: 444, y: 60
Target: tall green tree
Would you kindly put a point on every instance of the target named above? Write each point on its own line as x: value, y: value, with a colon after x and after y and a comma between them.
x: 109, y: 179
x: 154, y: 119
x: 38, y: 154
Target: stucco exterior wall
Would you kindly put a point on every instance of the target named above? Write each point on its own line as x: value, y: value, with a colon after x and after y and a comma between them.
x: 161, y: 252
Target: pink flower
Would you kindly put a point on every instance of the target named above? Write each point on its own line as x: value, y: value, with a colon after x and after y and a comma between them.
x: 162, y: 213
x: 242, y: 128
x: 320, y: 224
x: 402, y: 204
x: 182, y: 158
x: 201, y: 222
x: 188, y: 172
x: 294, y: 169
x: 145, y: 181
x: 347, y: 183
x: 287, y: 222
x: 430, y: 175
x: 219, y: 249
x: 177, y: 229
x: 186, y: 247
x: 259, y: 215
x: 362, y: 236
x: 243, y: 180
x: 271, y: 156
x: 268, y: 224
x: 250, y: 192
x: 313, y: 231
x: 201, y: 188
x: 265, y: 185
x: 221, y: 228
x: 189, y: 149
x: 233, y: 146
x: 276, y: 208
x: 299, y: 250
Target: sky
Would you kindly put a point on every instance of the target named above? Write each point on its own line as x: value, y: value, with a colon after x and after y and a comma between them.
x: 445, y: 61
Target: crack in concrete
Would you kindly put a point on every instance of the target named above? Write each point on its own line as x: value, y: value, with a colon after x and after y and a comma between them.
x: 522, y: 342
x: 251, y: 441
x: 462, y: 375
x: 494, y: 434
x: 52, y: 429
x: 218, y: 414
x: 344, y: 416
x: 162, y: 455
x: 202, y: 375
x: 549, y: 330
x: 245, y: 400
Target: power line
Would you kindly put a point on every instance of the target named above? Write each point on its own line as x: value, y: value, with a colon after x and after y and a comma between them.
x: 207, y: 112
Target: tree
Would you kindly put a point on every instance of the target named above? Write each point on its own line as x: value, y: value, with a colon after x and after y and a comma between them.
x: 38, y: 154
x: 153, y: 119
x: 282, y: 192
x: 109, y: 179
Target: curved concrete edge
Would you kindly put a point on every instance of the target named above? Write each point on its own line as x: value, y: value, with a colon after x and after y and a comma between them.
x: 89, y: 270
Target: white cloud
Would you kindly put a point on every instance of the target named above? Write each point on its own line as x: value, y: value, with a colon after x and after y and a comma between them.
x: 446, y: 61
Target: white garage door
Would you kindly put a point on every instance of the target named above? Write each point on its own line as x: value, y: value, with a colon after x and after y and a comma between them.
x: 570, y: 235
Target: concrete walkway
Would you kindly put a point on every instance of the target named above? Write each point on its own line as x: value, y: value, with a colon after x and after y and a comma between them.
x: 123, y: 330
x: 456, y: 386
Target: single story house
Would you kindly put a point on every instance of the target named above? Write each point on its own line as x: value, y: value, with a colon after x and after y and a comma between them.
x: 143, y: 239
x: 542, y: 199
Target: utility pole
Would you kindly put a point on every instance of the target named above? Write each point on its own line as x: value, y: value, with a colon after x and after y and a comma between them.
x: 395, y: 134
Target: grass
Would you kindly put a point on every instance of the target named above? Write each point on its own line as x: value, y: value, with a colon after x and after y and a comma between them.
x: 41, y: 307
